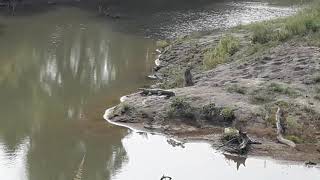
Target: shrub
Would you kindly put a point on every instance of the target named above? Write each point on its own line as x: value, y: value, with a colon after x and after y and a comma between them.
x: 223, y: 115
x: 227, y: 113
x: 236, y: 89
x: 260, y: 97
x: 179, y: 107
x: 261, y: 33
x: 279, y: 88
x: 162, y: 43
x: 292, y: 124
x: 270, y: 115
x: 208, y: 111
x: 227, y: 46
x: 230, y: 133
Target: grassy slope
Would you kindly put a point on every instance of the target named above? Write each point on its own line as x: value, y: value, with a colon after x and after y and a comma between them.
x: 304, y: 26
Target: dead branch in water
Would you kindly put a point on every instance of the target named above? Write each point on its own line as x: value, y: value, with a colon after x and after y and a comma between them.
x: 166, y: 178
x: 80, y: 169
x: 157, y: 92
x: 280, y: 130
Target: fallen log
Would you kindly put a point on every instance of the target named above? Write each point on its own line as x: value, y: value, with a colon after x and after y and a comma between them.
x: 157, y: 92
x: 280, y: 130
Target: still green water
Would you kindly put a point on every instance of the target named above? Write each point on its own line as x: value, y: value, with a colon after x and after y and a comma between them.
x: 58, y: 73
x: 61, y: 69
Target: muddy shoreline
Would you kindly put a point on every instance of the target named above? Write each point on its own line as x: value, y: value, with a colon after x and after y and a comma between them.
x: 239, y: 85
x: 213, y: 135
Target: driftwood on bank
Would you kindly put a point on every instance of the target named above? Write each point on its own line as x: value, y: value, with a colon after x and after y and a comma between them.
x: 280, y: 130
x: 239, y: 144
x: 157, y: 92
x: 244, y: 141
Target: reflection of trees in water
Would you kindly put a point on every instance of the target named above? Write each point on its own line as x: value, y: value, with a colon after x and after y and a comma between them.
x: 52, y: 158
x: 46, y: 83
x: 239, y: 160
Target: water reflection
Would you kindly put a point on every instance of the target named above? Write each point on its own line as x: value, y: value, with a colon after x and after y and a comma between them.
x: 53, y: 67
x: 58, y: 72
x: 13, y: 163
x: 239, y: 160
x: 150, y: 157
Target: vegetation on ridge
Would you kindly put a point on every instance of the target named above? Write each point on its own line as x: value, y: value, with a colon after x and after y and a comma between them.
x: 227, y: 46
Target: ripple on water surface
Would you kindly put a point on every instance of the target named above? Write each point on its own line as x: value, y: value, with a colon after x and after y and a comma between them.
x: 171, y: 24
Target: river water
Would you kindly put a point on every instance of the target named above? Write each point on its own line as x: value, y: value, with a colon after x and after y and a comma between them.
x: 60, y: 70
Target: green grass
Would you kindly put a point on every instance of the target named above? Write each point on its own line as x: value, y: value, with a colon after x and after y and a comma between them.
x: 176, y: 78
x: 305, y: 22
x: 227, y: 113
x: 208, y: 111
x: 260, y: 97
x: 313, y: 39
x: 212, y: 112
x: 292, y: 123
x: 227, y: 46
x: 235, y: 88
x: 162, y: 43
x: 282, y: 89
x: 295, y: 139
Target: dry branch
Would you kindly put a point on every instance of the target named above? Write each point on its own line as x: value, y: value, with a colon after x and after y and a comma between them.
x: 239, y: 144
x: 280, y: 137
x: 79, y: 171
